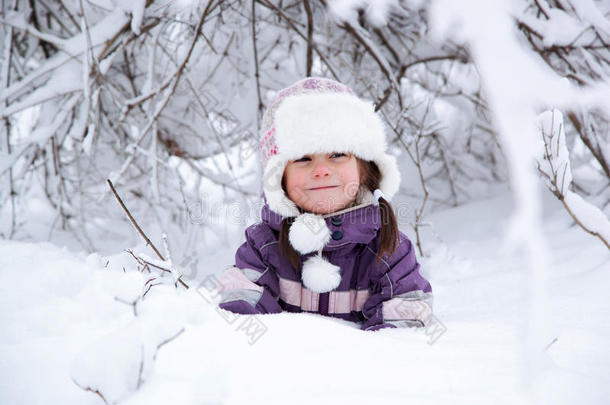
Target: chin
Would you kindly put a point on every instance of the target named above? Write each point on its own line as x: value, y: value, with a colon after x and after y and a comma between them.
x: 322, y: 211
x: 327, y: 208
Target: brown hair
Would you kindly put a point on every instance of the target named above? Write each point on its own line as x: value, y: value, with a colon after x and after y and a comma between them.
x: 370, y: 177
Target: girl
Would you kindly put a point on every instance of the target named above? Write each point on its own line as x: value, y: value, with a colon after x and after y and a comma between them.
x: 328, y: 241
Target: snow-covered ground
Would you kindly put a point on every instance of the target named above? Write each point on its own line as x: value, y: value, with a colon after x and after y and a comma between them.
x: 66, y: 320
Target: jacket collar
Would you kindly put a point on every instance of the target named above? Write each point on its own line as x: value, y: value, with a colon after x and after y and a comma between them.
x: 357, y: 226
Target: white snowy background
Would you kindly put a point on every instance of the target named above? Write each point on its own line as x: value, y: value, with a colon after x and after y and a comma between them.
x: 520, y: 290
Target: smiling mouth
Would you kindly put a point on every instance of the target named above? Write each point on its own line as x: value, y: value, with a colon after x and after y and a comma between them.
x: 323, y: 188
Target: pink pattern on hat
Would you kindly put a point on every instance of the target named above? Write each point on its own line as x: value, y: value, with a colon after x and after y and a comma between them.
x: 268, y: 146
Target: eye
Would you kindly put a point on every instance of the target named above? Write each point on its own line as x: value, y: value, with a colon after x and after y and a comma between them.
x: 303, y: 159
x: 337, y: 154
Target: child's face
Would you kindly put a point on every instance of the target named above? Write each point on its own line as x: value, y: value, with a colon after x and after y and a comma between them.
x: 322, y: 183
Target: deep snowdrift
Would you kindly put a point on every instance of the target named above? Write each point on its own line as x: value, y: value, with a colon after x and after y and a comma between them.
x: 67, y: 320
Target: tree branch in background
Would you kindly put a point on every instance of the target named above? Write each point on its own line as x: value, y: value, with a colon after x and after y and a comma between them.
x: 260, y: 106
x: 309, y: 37
x: 554, y: 166
x: 5, y: 79
x: 149, y: 91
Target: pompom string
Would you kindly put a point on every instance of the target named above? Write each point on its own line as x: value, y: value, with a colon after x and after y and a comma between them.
x: 378, y: 194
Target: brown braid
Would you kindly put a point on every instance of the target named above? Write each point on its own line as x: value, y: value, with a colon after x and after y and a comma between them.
x: 370, y: 178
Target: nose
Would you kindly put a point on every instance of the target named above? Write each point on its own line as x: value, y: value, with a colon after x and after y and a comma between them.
x: 320, y: 170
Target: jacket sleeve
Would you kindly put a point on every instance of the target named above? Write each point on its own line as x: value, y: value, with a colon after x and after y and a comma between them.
x: 251, y: 286
x: 400, y: 296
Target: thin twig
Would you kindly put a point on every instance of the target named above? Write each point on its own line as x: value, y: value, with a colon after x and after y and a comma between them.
x: 89, y: 389
x: 166, y: 341
x: 133, y: 221
x: 309, y: 37
x: 261, y: 106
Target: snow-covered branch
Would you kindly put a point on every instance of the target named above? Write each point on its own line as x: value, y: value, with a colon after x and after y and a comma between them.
x: 554, y: 165
x: 166, y: 99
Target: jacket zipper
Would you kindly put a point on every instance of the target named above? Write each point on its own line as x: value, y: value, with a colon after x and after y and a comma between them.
x: 324, y: 297
x: 323, y: 303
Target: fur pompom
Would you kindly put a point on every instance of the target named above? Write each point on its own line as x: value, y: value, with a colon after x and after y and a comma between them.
x: 319, y: 275
x: 308, y: 233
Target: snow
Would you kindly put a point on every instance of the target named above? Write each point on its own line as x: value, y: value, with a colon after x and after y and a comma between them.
x: 589, y: 215
x: 520, y: 320
x: 100, y: 33
x: 375, y: 12
x: 589, y: 11
x: 553, y: 160
x: 560, y: 29
x: 484, y: 25
x: 552, y: 154
x: 67, y: 320
x: 136, y: 7
x: 345, y: 10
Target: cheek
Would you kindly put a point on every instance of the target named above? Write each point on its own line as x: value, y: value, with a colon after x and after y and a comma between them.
x: 350, y: 174
x: 294, y: 178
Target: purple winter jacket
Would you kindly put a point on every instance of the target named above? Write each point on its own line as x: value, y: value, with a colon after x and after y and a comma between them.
x: 391, y: 293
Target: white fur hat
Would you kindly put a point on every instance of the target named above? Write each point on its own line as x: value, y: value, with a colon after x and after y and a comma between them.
x: 318, y: 115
